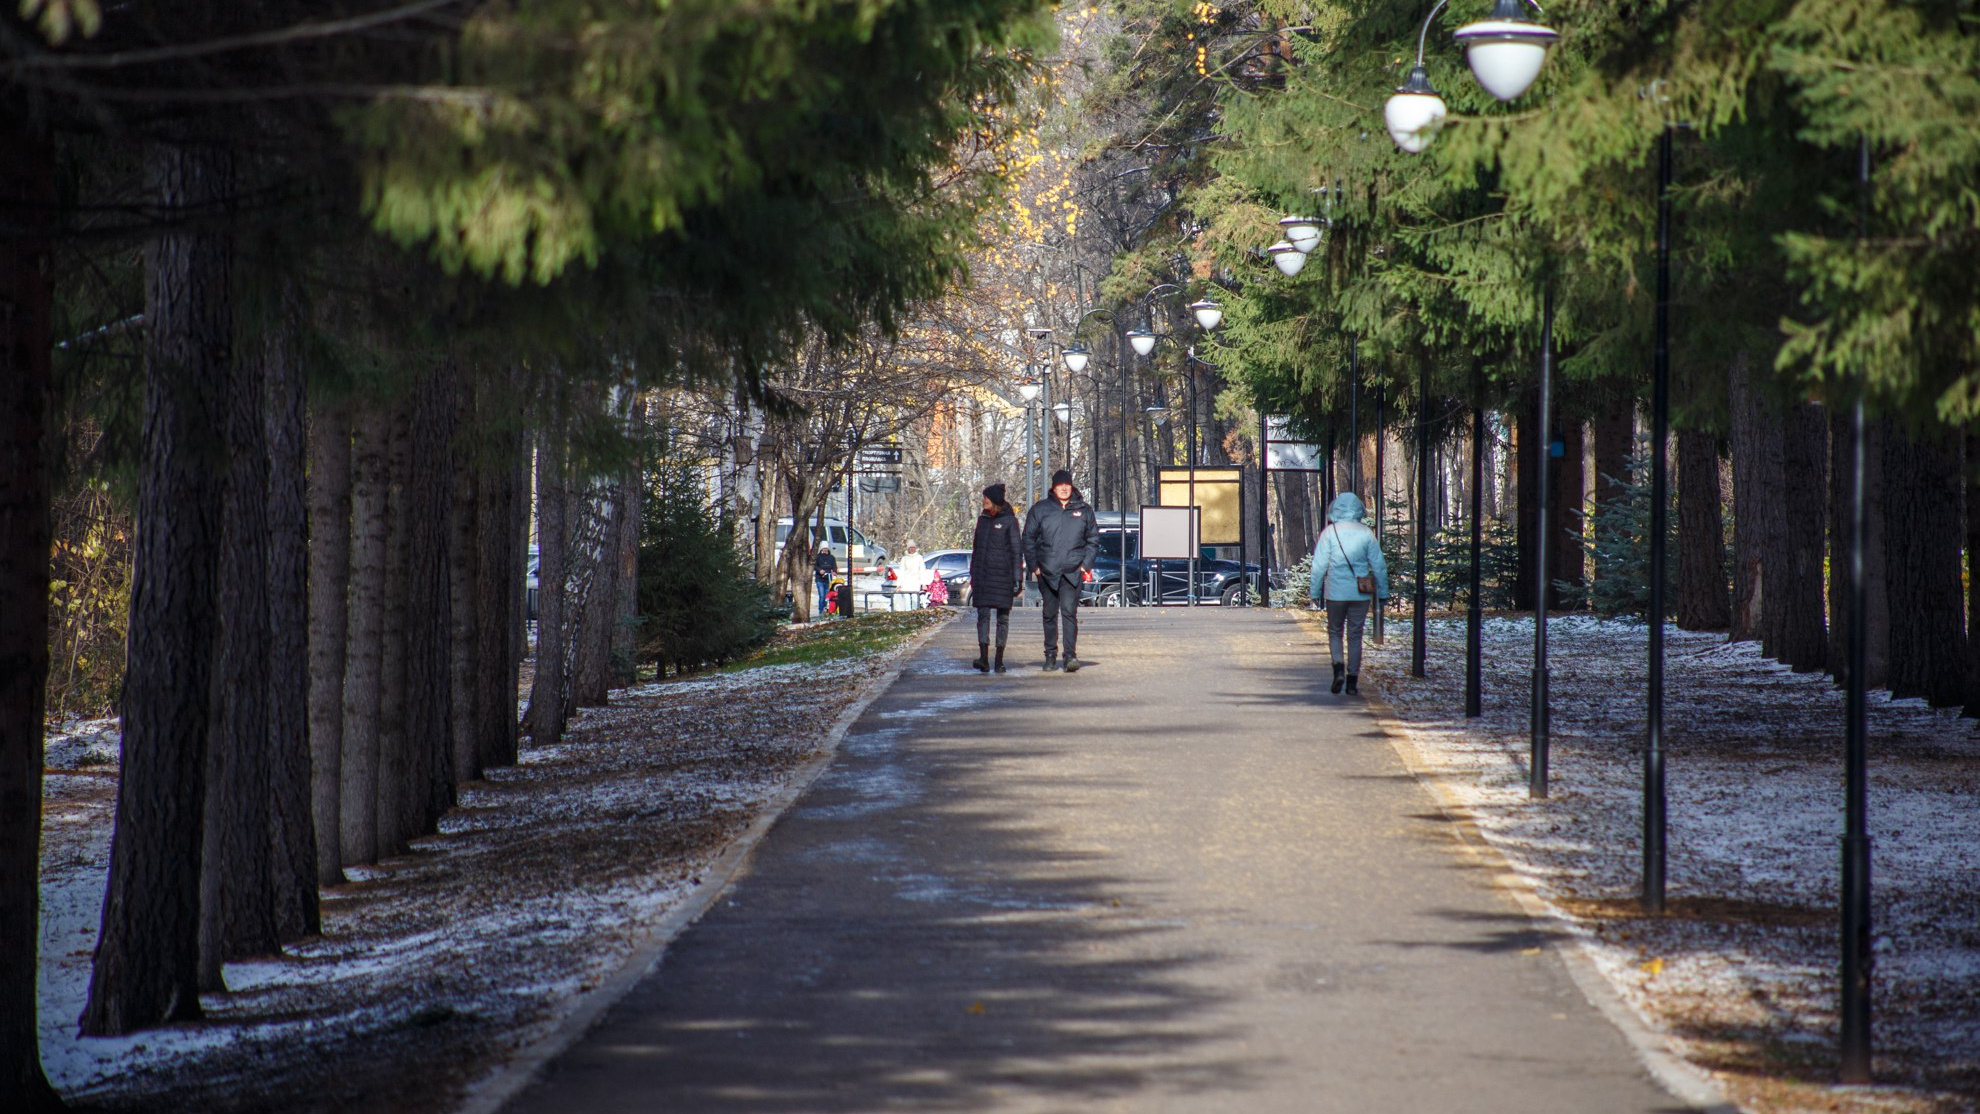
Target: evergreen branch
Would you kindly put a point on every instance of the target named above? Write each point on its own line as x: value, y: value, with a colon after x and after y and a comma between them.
x: 282, y: 36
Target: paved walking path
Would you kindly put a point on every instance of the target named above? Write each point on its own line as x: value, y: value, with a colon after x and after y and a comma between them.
x: 1184, y: 879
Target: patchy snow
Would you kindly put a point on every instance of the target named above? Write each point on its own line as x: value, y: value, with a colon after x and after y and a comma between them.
x: 439, y: 964
x: 1743, y: 970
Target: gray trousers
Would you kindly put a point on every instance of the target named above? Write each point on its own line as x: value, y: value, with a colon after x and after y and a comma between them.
x: 1352, y: 614
x: 1003, y: 622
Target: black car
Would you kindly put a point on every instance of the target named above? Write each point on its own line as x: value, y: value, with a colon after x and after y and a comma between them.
x: 1217, y: 579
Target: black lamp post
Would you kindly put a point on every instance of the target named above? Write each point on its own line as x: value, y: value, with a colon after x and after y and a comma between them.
x: 1419, y: 631
x: 1856, y: 954
x: 1654, y: 824
x: 1537, y: 763
x: 1474, y: 620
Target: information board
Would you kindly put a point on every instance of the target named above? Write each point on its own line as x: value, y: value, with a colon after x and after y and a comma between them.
x: 1219, y: 496
x: 1165, y: 532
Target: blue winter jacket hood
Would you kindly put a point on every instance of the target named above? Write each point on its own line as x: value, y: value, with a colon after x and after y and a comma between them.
x: 1347, y: 549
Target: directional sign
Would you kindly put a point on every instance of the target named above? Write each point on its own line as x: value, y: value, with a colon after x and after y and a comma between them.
x: 880, y: 454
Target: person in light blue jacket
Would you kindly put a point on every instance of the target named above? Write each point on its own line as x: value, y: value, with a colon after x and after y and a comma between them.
x: 1347, y: 552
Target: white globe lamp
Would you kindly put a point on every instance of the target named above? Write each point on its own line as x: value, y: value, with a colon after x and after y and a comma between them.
x: 1506, y: 51
x: 1142, y: 341
x: 1076, y: 357
x: 1303, y: 233
x: 1287, y: 258
x: 1415, y: 112
x: 1209, y: 314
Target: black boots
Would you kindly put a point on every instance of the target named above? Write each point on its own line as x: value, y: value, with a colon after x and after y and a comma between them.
x: 982, y: 662
x: 1352, y: 690
x: 1051, y: 662
x: 999, y: 666
x: 1340, y: 673
x: 1072, y: 663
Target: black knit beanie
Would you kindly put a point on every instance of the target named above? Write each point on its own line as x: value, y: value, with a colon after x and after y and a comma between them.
x: 1061, y: 477
x: 995, y: 493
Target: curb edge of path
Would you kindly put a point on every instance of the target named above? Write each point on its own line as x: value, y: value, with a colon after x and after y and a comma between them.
x: 493, y: 1091
x: 1685, y: 1081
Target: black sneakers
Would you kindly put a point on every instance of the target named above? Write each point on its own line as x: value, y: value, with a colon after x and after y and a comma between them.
x: 1051, y: 663
x: 1072, y: 664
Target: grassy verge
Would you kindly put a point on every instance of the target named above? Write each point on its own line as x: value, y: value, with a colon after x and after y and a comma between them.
x: 855, y: 636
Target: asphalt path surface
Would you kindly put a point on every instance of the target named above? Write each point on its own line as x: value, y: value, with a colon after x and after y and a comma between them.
x: 1186, y: 878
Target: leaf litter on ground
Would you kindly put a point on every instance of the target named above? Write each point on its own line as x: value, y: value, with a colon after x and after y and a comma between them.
x: 437, y: 966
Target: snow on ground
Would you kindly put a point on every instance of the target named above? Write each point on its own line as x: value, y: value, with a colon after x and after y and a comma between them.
x: 1743, y: 970
x: 439, y: 964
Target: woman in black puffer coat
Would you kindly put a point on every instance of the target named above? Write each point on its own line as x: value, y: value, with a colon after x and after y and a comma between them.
x: 996, y: 573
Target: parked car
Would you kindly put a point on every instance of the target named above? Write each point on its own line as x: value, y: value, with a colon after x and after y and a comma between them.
x: 864, y: 556
x: 1218, y: 579
x: 952, y: 565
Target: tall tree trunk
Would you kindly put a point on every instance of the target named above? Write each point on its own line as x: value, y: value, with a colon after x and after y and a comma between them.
x: 1529, y: 456
x: 591, y: 632
x: 27, y: 201
x: 1923, y: 510
x: 365, y: 641
x: 1614, y: 436
x: 1758, y: 505
x: 544, y: 722
x: 624, y: 642
x: 237, y: 883
x: 429, y: 614
x: 1804, y: 636
x: 394, y: 768
x: 464, y: 567
x: 1972, y: 479
x: 294, y: 863
x: 329, y: 619
x: 1703, y: 599
x: 147, y: 955
x: 496, y: 567
x: 1566, y: 551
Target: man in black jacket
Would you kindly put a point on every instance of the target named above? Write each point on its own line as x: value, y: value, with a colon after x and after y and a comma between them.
x: 1060, y: 541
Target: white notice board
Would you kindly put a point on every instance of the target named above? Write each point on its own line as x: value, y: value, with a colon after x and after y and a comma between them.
x: 1169, y: 533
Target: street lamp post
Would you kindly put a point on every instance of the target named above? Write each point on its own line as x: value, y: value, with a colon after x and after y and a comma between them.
x: 1028, y: 389
x: 1660, y: 426
x: 1537, y: 762
x: 1419, y: 623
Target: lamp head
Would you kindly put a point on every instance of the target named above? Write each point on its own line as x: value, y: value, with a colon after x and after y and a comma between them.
x: 1415, y: 112
x: 1209, y: 314
x: 1506, y: 51
x: 1142, y: 341
x: 1287, y: 258
x: 1028, y: 390
x: 1075, y: 357
x: 1063, y: 410
x: 1303, y: 233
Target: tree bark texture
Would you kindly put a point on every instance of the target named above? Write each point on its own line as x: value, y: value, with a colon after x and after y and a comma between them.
x: 365, y: 640
x: 1704, y: 601
x: 289, y: 799
x: 463, y: 567
x: 594, y: 551
x: 429, y: 612
x: 1566, y: 549
x: 625, y: 648
x: 147, y: 955
x: 1758, y: 504
x: 1529, y: 456
x: 1972, y: 481
x: 1799, y: 609
x: 1614, y: 437
x: 544, y: 722
x: 497, y: 564
x: 394, y: 768
x: 1924, y: 528
x: 237, y: 883
x: 329, y: 618
x: 27, y: 201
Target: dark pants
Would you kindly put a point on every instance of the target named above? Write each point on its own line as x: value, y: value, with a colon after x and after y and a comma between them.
x: 983, y: 615
x: 1061, y: 596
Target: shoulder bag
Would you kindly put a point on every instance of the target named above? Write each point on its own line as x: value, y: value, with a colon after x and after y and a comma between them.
x: 1363, y: 584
